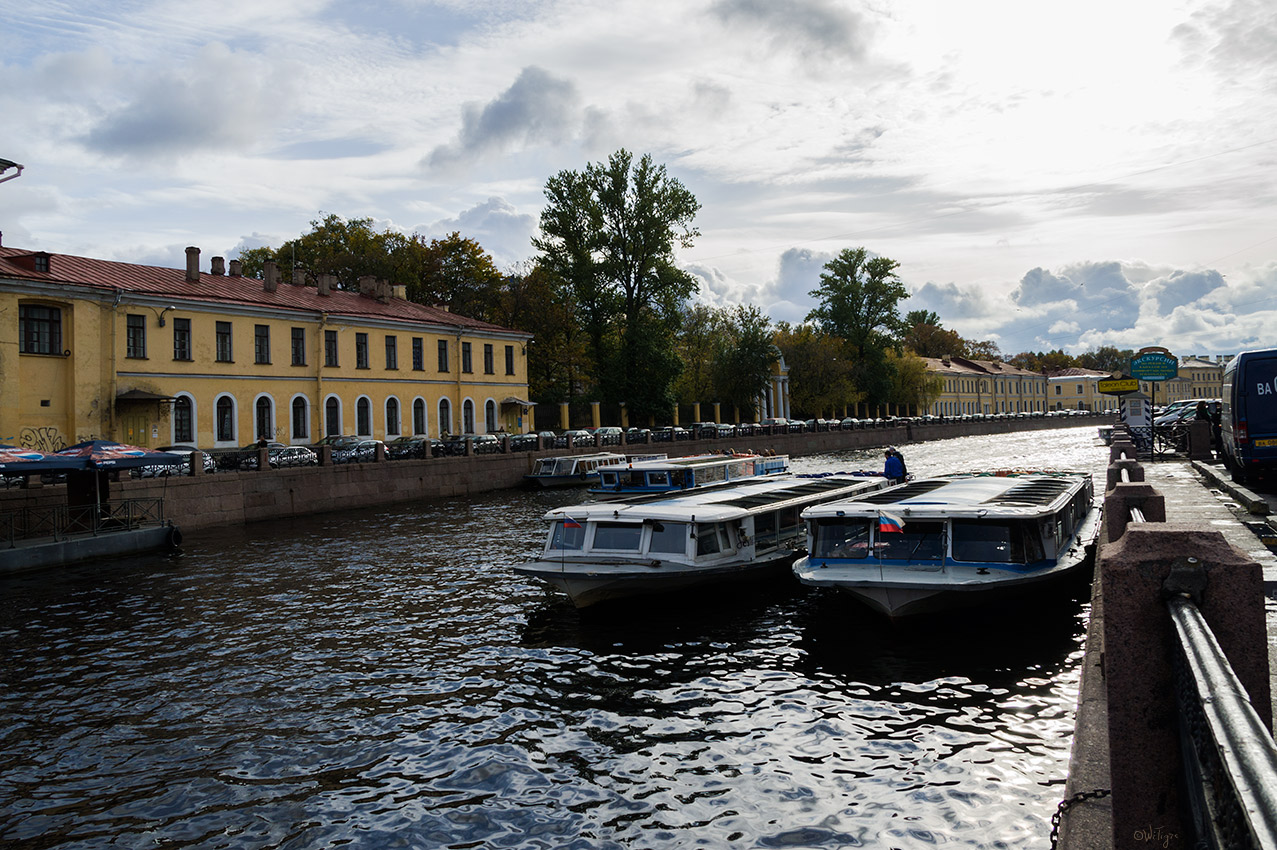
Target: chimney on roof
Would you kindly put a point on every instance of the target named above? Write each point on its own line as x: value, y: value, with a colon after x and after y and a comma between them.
x: 945, y: 359
x: 368, y: 285
x: 237, y: 268
x: 270, y: 276
x: 217, y: 266
x: 193, y: 264
x: 325, y: 283
x: 443, y: 307
x: 399, y: 291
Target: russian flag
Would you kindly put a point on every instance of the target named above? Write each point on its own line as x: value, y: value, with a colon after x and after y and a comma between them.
x: 568, y: 522
x: 888, y: 522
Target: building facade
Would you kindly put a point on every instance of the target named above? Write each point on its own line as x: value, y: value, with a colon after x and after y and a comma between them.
x: 984, y: 386
x: 154, y: 356
x: 1078, y: 389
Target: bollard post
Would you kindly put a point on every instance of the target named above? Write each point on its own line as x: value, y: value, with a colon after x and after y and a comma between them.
x: 197, y: 463
x: 1144, y: 743
x: 1200, y: 445
x: 1134, y: 473
x: 325, y: 454
x: 1119, y: 501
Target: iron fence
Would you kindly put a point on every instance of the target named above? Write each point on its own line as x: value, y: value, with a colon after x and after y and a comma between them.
x: 61, y: 521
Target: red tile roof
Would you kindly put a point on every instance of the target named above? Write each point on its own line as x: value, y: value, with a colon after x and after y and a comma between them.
x: 164, y: 282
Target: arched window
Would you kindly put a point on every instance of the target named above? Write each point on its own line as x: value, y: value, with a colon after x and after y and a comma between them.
x: 363, y: 417
x: 445, y: 417
x: 489, y: 416
x: 467, y: 417
x: 183, y: 420
x: 225, y: 419
x: 301, y: 419
x: 392, y: 417
x: 265, y: 419
x: 332, y: 417
x: 419, y: 417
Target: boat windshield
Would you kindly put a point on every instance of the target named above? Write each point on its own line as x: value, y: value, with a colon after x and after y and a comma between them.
x: 669, y: 538
x: 619, y: 536
x: 567, y: 534
x: 996, y: 542
x: 919, y: 541
x: 841, y: 538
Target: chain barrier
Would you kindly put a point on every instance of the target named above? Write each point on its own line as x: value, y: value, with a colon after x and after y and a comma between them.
x: 1067, y: 804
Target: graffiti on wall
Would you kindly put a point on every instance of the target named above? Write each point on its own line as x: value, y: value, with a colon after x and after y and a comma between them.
x: 43, y: 439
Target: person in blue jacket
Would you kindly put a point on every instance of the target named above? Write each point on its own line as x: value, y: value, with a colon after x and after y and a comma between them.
x: 893, y: 470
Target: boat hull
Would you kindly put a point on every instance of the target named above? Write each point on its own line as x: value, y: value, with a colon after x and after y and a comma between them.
x: 590, y: 584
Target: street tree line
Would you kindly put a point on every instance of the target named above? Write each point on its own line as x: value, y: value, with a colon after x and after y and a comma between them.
x: 613, y: 318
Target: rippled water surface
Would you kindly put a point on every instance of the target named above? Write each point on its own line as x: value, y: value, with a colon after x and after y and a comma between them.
x: 384, y: 680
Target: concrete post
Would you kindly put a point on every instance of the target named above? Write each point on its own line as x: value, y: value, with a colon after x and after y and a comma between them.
x: 1200, y: 445
x: 197, y: 462
x: 594, y: 414
x: 379, y: 453
x: 263, y: 460
x: 325, y: 455
x: 717, y: 412
x: 1144, y: 747
x: 696, y: 411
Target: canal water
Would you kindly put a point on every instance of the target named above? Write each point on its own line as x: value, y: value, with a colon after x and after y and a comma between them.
x: 383, y: 679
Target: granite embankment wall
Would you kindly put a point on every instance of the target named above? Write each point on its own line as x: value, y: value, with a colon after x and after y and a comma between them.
x: 234, y: 498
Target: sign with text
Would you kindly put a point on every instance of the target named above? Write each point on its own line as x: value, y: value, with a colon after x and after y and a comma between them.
x: 1118, y: 386
x: 1154, y: 364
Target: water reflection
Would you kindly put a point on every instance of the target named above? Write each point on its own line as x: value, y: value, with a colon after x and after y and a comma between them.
x: 383, y: 679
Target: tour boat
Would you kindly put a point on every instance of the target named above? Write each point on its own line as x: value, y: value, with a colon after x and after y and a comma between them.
x: 576, y: 470
x: 606, y: 550
x: 644, y: 477
x: 951, y: 541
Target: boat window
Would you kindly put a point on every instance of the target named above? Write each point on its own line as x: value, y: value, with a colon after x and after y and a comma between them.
x: 841, y: 538
x: 920, y: 541
x: 764, y: 531
x: 567, y: 536
x: 658, y: 479
x: 706, y: 538
x: 790, y: 523
x: 608, y: 479
x: 669, y: 537
x: 988, y: 542
x: 617, y: 535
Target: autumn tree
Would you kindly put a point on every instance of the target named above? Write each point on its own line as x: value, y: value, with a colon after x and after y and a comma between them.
x: 821, y: 370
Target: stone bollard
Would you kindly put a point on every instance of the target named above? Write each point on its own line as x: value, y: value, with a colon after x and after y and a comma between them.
x: 1144, y: 745
x: 505, y: 444
x: 379, y: 453
x: 325, y: 454
x: 1119, y: 447
x: 263, y: 460
x: 1119, y: 501
x: 1134, y: 473
x: 540, y: 443
x: 197, y: 462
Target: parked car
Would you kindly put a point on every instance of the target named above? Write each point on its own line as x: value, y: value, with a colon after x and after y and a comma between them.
x: 412, y: 446
x: 638, y: 435
x: 610, y: 435
x: 578, y: 437
x: 208, y: 463
x: 335, y: 441
x: 291, y: 456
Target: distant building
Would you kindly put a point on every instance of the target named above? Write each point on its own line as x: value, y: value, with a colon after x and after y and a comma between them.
x: 155, y: 356
x: 985, y: 386
x: 1076, y: 389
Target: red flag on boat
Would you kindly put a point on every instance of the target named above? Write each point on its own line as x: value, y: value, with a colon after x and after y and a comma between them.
x: 568, y: 522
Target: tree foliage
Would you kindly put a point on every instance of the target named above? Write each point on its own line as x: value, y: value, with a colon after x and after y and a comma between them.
x: 610, y: 232
x: 821, y: 372
x: 743, y: 358
x: 859, y: 299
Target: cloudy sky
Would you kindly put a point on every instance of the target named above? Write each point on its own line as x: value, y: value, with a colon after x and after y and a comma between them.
x: 1062, y: 175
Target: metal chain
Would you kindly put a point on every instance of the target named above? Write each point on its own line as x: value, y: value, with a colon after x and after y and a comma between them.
x: 1068, y: 803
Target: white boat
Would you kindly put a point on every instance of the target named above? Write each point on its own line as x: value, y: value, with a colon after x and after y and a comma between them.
x: 951, y: 541
x: 576, y: 470
x: 672, y: 474
x: 606, y: 550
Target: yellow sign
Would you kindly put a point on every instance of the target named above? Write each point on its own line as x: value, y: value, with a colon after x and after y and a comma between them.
x: 1118, y: 386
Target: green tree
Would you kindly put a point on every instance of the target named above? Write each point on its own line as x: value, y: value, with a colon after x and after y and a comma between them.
x: 821, y: 371
x: 611, y: 231
x: 912, y: 387
x: 1106, y: 358
x: 699, y: 327
x: 931, y: 340
x: 859, y: 298
x: 744, y: 357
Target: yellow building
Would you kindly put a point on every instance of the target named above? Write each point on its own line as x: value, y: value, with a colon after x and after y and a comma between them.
x: 985, y: 386
x: 1078, y: 389
x: 154, y: 356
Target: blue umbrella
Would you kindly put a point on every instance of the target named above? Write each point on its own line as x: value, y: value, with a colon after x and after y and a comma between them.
x: 104, y: 454
x: 15, y: 460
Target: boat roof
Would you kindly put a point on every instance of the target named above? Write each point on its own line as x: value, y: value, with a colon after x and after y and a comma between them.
x: 591, y: 456
x: 1012, y: 494
x: 718, y: 504
x: 691, y: 461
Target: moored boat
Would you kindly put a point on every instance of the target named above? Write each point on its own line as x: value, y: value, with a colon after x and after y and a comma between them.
x: 607, y: 550
x: 672, y: 474
x: 951, y: 541
x: 576, y: 470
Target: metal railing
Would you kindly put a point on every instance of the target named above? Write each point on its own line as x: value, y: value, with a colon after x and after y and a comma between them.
x: 1230, y: 761
x: 59, y: 522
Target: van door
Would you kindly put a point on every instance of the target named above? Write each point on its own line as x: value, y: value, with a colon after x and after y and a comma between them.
x: 1251, y: 413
